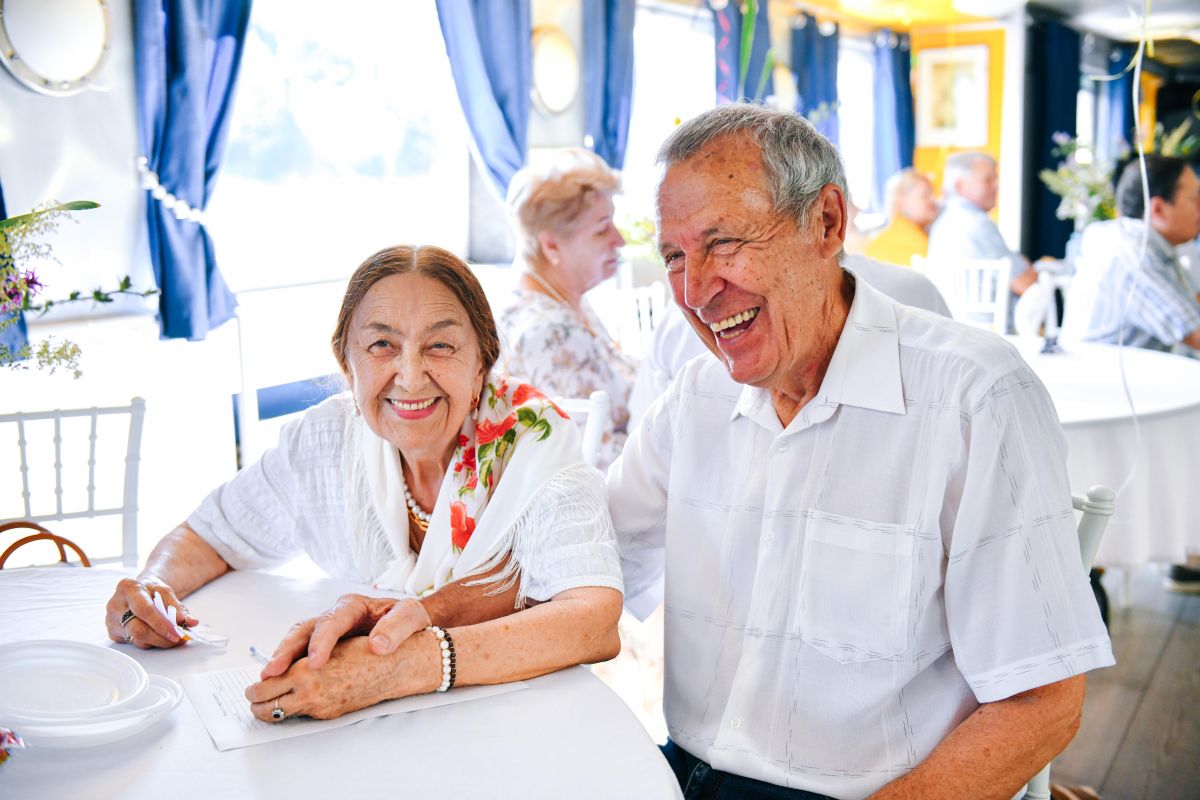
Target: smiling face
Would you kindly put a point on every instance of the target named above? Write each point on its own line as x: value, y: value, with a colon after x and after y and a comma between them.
x: 762, y: 291
x: 414, y: 364
x: 588, y: 253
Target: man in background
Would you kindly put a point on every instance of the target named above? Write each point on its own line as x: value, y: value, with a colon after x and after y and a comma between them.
x: 964, y: 230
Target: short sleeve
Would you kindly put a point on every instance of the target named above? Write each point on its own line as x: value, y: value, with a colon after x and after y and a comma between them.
x: 572, y: 543
x: 1018, y: 603
x: 260, y: 517
x: 637, y: 498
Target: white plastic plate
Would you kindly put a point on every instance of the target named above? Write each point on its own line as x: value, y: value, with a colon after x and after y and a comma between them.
x: 162, y: 695
x: 59, y: 679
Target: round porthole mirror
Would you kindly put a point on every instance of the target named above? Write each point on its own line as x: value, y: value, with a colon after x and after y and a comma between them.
x: 55, y: 47
x: 555, y: 70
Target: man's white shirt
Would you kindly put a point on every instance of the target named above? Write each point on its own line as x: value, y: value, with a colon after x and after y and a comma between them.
x: 843, y: 593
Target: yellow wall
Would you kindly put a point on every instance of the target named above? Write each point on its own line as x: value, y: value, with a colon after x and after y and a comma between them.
x: 931, y: 159
x: 1147, y: 107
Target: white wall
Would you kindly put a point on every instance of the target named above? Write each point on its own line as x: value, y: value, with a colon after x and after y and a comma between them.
x: 82, y: 147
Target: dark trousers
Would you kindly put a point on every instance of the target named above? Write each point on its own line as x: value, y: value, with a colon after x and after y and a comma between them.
x: 699, y: 781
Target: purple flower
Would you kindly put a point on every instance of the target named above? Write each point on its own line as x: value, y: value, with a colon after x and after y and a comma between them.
x: 32, y: 284
x: 1060, y: 138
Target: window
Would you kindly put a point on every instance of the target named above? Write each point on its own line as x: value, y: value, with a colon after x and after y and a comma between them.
x: 347, y: 136
x: 856, y: 117
x: 674, y: 80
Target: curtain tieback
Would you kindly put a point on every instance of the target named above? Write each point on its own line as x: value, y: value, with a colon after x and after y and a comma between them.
x: 178, y: 206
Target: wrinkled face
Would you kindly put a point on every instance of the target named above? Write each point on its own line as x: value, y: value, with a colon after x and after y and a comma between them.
x: 1179, y: 220
x: 918, y: 203
x: 753, y: 283
x: 980, y: 185
x: 415, y: 365
x: 588, y: 253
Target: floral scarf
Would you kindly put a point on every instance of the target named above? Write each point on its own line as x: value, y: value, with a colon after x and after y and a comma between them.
x: 513, y: 443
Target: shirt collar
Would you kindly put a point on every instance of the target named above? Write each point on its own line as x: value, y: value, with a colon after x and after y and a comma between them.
x: 864, y: 370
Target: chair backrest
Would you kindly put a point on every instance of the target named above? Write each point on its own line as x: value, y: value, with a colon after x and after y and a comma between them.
x: 279, y: 382
x: 1097, y: 508
x: 594, y: 416
x: 977, y: 290
x: 632, y: 313
x: 41, y: 535
x: 40, y: 433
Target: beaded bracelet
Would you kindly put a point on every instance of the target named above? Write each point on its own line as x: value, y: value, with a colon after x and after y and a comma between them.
x: 448, y: 658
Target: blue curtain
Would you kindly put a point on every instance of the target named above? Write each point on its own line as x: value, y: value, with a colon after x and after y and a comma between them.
x: 814, y: 63
x: 186, y: 57
x: 491, y: 57
x: 1052, y: 52
x: 895, y: 134
x: 727, y: 33
x: 16, y: 335
x: 1117, y: 133
x: 608, y: 75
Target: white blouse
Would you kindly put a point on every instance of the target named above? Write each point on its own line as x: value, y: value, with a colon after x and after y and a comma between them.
x: 294, y: 500
x: 546, y: 344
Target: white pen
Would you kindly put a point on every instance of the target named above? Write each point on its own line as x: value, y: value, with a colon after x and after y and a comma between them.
x: 258, y: 655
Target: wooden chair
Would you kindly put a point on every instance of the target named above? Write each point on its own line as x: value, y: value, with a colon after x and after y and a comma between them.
x: 41, y: 535
x: 593, y: 414
x: 977, y: 290
x: 1096, y: 508
x: 63, y: 508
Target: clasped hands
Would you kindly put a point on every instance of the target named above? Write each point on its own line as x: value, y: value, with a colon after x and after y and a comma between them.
x: 356, y: 654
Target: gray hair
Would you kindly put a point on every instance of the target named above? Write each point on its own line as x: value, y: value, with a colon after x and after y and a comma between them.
x: 957, y: 167
x: 799, y: 161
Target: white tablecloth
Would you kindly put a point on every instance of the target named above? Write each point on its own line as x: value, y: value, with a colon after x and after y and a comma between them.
x: 1154, y: 520
x: 566, y: 735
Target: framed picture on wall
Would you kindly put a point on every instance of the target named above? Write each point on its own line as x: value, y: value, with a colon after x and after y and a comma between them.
x: 952, y: 96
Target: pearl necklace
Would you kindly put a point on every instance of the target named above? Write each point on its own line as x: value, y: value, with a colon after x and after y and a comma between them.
x: 554, y: 295
x: 550, y: 290
x: 417, y: 511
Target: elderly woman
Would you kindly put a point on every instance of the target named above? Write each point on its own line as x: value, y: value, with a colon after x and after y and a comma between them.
x: 568, y: 244
x: 433, y: 475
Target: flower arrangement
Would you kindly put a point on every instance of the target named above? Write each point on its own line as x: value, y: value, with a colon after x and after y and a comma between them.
x: 1084, y: 185
x: 20, y: 241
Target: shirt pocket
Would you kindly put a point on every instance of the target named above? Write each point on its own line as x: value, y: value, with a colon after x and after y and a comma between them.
x: 855, y: 583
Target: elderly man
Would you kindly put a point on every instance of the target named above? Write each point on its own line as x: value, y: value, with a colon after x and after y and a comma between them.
x: 872, y: 580
x: 970, y: 183
x: 911, y: 209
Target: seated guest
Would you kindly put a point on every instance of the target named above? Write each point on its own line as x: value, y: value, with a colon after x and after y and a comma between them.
x: 1121, y: 293
x: 964, y: 229
x: 911, y: 209
x: 567, y: 244
x: 434, y: 475
x: 861, y: 510
x: 674, y: 344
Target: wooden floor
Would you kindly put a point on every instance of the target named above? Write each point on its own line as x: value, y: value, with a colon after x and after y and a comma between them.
x: 1140, y: 737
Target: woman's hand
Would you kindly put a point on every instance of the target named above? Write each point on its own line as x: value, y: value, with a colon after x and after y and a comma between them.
x: 387, y: 622
x: 353, y: 677
x: 147, y: 628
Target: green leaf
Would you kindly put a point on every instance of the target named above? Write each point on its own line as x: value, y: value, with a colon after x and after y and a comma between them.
x: 485, y: 451
x: 526, y: 416
x: 124, y: 285
x: 75, y: 205
x: 747, y: 45
x: 543, y: 426
x: 768, y: 67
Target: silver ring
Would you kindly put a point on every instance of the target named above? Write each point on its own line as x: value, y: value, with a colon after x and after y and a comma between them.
x: 277, y: 712
x: 128, y: 615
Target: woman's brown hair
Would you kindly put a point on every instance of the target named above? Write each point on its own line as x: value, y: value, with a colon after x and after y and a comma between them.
x: 441, y: 265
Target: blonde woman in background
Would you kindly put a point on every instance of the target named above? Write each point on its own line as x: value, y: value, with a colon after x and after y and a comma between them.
x: 567, y: 244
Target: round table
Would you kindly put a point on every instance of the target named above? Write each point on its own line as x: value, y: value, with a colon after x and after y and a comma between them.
x: 1154, y: 520
x: 565, y: 735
